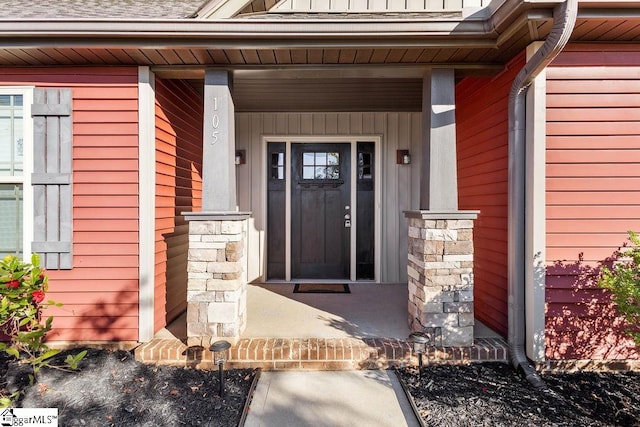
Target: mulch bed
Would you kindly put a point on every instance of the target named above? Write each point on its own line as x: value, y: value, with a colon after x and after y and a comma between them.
x: 112, y: 389
x: 493, y: 394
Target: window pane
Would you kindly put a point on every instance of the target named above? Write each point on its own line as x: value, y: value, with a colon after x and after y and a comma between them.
x: 308, y: 172
x: 364, y: 166
x: 277, y: 165
x: 11, y: 135
x: 321, y: 159
x: 11, y: 219
x: 18, y: 148
x: 320, y: 172
x: 5, y: 145
x: 308, y: 159
x: 333, y: 158
x: 333, y: 172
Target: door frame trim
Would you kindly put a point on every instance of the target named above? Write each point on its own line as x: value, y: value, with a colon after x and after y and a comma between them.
x: 322, y: 139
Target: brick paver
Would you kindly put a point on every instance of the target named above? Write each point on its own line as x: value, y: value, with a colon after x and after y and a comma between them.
x: 319, y: 353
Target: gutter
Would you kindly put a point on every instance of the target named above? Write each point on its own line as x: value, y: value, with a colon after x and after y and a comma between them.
x: 565, y: 15
x: 243, y: 33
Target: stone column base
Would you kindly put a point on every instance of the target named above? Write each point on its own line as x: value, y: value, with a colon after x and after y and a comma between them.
x: 217, y: 280
x: 440, y: 275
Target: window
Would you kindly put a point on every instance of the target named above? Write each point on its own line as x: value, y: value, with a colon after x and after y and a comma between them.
x: 277, y: 165
x: 364, y: 166
x: 13, y: 177
x: 321, y: 166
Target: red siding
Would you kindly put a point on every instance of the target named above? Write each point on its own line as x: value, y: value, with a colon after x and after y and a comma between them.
x: 179, y: 111
x: 100, y: 294
x: 482, y: 133
x: 593, y: 194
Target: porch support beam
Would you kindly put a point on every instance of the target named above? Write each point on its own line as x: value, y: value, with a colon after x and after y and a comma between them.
x: 438, y: 174
x: 218, y: 163
x: 217, y: 257
x: 440, y: 252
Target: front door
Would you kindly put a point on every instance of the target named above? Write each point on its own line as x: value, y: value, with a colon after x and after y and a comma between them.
x: 320, y: 210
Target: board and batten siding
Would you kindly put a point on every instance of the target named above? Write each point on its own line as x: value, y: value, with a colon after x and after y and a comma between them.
x: 592, y: 194
x: 482, y: 150
x: 100, y: 292
x: 315, y: 6
x: 400, y: 190
x: 179, y: 111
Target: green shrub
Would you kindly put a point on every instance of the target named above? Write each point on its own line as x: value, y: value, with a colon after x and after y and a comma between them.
x: 23, y: 288
x: 623, y: 280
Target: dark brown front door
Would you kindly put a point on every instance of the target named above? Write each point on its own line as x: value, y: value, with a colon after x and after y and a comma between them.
x: 320, y: 211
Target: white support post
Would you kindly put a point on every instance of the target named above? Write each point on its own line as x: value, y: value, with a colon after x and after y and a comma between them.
x: 535, y: 273
x: 439, y: 179
x: 218, y: 163
x: 146, y: 213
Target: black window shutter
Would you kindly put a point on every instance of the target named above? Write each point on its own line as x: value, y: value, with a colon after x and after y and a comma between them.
x: 51, y: 179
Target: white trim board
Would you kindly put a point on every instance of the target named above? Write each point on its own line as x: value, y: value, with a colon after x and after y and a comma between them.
x: 27, y: 167
x: 146, y: 191
x: 535, y: 232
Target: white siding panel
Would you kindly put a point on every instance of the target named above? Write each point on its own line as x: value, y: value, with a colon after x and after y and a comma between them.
x: 376, y: 5
x: 400, y: 190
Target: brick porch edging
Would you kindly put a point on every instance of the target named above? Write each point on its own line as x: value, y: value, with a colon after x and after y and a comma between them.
x: 273, y: 354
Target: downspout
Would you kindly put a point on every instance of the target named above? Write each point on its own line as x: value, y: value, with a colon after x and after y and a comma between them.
x: 564, y: 16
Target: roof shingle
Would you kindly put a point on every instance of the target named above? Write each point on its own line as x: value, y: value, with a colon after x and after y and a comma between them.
x: 89, y: 9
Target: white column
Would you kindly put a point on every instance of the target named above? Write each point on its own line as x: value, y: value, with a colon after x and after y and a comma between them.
x: 147, y: 188
x: 439, y: 179
x: 218, y: 163
x: 535, y: 243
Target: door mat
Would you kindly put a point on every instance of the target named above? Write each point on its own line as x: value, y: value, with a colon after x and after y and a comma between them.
x: 321, y: 288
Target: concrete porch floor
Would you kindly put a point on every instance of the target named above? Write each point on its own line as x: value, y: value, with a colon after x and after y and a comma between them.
x: 364, y: 329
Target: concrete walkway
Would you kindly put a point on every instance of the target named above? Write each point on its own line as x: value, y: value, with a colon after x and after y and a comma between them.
x: 331, y: 399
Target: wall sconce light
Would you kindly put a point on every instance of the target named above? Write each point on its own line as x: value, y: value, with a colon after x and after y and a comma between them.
x: 219, y: 353
x: 241, y: 157
x: 403, y: 157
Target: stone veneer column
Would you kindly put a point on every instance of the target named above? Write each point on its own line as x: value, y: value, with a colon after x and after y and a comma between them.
x: 440, y: 275
x: 217, y: 278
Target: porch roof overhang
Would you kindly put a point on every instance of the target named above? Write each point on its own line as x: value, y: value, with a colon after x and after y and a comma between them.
x: 482, y: 41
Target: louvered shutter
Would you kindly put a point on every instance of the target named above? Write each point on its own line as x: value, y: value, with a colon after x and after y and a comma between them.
x: 51, y: 180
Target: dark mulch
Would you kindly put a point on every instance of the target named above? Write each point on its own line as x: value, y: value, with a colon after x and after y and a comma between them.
x: 112, y: 389
x: 493, y: 394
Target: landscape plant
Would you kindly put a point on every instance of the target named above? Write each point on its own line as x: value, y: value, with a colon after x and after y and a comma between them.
x: 23, y: 288
x: 622, y: 279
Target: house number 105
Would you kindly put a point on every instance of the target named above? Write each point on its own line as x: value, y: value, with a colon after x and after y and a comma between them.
x: 215, y: 121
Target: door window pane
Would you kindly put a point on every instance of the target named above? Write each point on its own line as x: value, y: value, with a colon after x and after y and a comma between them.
x: 277, y: 166
x: 364, y: 166
x: 321, y: 166
x: 11, y: 219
